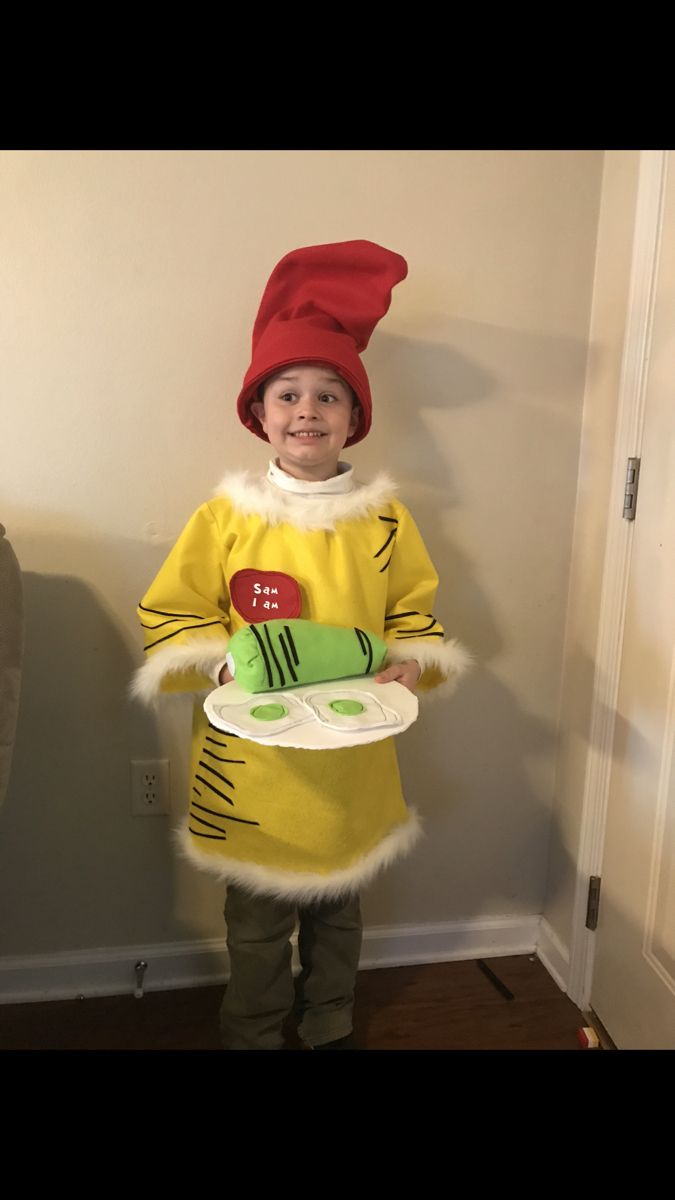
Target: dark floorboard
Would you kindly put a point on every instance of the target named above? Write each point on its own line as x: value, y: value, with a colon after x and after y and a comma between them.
x: 438, y: 1006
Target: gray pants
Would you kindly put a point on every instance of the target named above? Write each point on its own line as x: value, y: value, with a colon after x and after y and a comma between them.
x: 261, y: 992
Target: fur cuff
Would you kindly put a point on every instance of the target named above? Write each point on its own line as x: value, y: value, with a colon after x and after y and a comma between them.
x: 200, y: 654
x: 452, y: 659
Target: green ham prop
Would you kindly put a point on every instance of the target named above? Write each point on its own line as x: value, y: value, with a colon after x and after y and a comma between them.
x: 271, y: 655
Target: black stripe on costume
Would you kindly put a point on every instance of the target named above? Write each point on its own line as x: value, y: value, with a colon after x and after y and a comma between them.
x: 209, y: 824
x: 287, y: 656
x: 384, y: 547
x: 197, y: 791
x: 361, y: 634
x: 217, y: 774
x: 220, y: 745
x: 422, y: 629
x: 291, y: 643
x: 183, y: 630
x: 215, y: 789
x: 220, y: 731
x: 213, y: 837
x: 223, y: 816
x: 386, y: 564
x: 398, y: 616
x: 159, y: 625
x: 370, y: 653
x: 392, y: 520
x: 282, y: 677
x: 400, y: 637
x: 219, y: 759
x: 176, y: 616
x: 264, y: 654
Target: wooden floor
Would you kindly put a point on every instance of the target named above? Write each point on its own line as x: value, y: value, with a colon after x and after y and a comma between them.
x: 489, y: 1004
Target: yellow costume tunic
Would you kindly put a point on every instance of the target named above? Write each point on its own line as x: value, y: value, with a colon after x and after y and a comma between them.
x: 302, y: 824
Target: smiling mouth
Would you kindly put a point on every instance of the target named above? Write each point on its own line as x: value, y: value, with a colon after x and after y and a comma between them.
x: 306, y: 436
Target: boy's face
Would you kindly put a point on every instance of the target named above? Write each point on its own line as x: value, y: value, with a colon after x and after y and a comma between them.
x: 307, y: 413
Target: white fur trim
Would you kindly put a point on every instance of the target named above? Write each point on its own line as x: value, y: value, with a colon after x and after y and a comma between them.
x: 250, y: 494
x: 451, y: 658
x: 199, y: 654
x: 303, y: 887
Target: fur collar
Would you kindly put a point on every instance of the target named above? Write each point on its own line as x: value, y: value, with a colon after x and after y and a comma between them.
x: 251, y: 494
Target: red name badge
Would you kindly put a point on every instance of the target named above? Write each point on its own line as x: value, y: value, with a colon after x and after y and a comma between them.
x: 263, y: 595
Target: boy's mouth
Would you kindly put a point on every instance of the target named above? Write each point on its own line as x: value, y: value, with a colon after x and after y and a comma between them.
x: 302, y: 434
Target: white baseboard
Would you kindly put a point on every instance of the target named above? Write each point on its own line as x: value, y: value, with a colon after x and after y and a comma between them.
x: 111, y: 972
x: 481, y: 937
x: 554, y: 955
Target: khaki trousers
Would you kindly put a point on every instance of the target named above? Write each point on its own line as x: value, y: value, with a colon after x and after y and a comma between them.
x: 261, y: 992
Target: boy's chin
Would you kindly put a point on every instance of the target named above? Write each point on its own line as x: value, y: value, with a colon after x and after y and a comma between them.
x: 316, y: 466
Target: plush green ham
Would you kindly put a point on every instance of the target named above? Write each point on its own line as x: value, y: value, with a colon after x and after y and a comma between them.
x: 271, y: 655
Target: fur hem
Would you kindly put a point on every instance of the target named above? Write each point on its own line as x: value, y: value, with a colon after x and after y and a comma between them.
x: 452, y: 659
x: 250, y: 494
x: 304, y: 887
x: 200, y: 654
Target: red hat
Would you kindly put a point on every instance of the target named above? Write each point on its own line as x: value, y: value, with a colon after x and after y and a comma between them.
x: 321, y: 304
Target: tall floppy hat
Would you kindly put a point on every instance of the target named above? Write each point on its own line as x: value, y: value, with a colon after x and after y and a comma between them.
x: 321, y: 304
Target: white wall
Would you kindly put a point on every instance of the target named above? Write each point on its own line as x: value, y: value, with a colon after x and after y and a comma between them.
x: 129, y: 286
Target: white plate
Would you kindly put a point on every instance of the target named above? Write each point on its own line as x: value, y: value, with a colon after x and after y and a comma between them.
x: 399, y: 705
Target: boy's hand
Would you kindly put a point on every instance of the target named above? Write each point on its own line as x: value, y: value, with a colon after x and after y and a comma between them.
x: 407, y: 673
x: 225, y: 676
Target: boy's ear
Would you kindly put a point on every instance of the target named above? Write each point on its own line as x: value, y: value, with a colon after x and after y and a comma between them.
x: 257, y: 407
x: 355, y: 419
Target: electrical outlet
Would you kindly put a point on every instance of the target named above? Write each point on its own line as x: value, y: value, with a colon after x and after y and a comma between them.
x: 150, y: 787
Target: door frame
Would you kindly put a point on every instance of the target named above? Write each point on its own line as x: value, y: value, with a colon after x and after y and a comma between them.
x: 652, y: 176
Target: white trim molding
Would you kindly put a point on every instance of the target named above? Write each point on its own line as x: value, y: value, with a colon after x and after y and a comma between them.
x: 628, y: 443
x: 554, y: 955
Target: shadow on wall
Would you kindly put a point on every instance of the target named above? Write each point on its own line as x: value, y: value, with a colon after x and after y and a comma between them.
x: 77, y: 869
x: 530, y: 384
x: 485, y: 815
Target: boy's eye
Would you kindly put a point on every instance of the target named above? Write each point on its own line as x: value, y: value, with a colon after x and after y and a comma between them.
x: 326, y: 397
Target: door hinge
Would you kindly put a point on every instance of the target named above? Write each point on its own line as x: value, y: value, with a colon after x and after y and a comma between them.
x: 631, y: 489
x: 593, y: 902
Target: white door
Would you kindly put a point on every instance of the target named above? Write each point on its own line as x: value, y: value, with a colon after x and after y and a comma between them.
x: 633, y: 989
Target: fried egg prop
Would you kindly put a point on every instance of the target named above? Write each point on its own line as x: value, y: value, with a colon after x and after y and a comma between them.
x: 319, y: 716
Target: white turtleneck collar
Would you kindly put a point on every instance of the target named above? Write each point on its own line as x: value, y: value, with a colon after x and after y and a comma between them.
x: 336, y: 485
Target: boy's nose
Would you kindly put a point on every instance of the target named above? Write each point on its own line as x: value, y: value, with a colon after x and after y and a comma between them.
x: 309, y: 406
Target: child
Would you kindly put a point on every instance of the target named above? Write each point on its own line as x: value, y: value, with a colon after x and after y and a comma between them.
x: 298, y: 832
